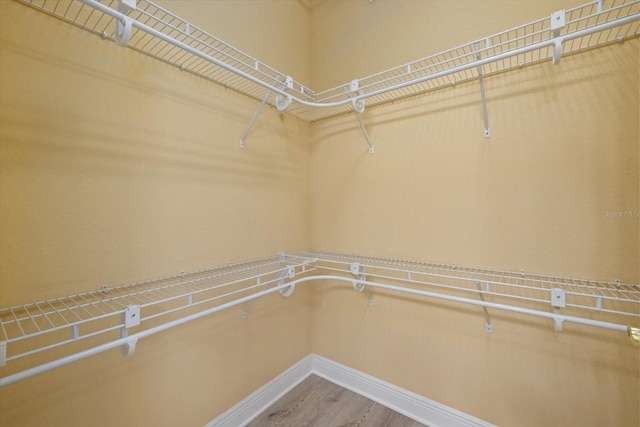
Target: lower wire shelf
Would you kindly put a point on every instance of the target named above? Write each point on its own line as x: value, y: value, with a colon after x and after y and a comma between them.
x: 119, y: 316
x: 587, y: 302
x: 107, y: 319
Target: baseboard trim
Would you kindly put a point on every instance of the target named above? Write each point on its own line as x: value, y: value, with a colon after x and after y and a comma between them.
x: 412, y: 405
x: 253, y: 405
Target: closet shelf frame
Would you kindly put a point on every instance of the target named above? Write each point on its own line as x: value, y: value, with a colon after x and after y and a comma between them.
x: 589, y: 296
x: 119, y: 316
x: 152, y: 30
x: 90, y: 323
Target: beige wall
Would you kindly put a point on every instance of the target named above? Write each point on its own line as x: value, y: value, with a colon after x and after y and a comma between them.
x: 564, y: 148
x: 115, y: 168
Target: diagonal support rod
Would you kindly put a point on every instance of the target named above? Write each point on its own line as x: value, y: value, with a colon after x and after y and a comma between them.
x: 487, y: 129
x: 358, y: 108
x: 255, y: 116
x: 366, y: 135
x: 487, y: 319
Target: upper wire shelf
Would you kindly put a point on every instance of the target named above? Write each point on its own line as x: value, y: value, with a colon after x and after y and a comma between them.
x: 585, y: 27
x: 94, y: 16
x: 152, y: 30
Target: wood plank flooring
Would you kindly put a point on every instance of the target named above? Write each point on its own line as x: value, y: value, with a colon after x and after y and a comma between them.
x: 321, y: 403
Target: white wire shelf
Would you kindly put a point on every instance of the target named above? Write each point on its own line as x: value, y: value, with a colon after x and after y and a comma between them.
x: 587, y: 297
x: 77, y: 321
x: 586, y: 27
x: 89, y: 323
x: 94, y: 16
x: 156, y: 32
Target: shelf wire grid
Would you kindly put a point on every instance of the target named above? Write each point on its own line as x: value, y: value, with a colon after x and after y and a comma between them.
x: 590, y: 297
x: 427, y: 74
x: 94, y: 313
x: 438, y: 71
x: 77, y: 321
x: 171, y: 25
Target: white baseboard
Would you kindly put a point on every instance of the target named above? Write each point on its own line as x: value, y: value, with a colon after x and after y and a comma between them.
x: 412, y: 405
x: 253, y: 405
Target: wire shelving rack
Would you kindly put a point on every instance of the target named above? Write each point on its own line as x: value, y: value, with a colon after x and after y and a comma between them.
x: 583, y: 27
x: 89, y: 323
x: 44, y: 327
x: 152, y: 30
x: 116, y: 317
x: 586, y: 298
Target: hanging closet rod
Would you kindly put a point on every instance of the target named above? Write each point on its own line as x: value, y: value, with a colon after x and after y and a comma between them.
x: 148, y: 28
x: 31, y: 329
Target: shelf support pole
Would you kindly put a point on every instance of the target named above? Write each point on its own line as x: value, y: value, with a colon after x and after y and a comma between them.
x: 485, y: 113
x: 245, y: 310
x: 361, y: 287
x: 122, y: 33
x: 130, y: 318
x: 358, y: 108
x: 558, y: 22
x: 255, y: 116
x: 289, y: 273
x: 558, y: 301
x: 487, y: 320
x: 364, y: 131
x: 357, y: 269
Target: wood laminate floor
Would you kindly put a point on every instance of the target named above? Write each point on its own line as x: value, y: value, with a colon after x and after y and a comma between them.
x: 321, y: 403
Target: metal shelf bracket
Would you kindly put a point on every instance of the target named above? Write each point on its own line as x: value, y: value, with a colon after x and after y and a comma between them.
x: 283, y: 101
x: 245, y: 310
x: 485, y: 113
x: 130, y: 318
x: 364, y: 130
x: 285, y: 291
x: 558, y: 301
x: 557, y: 50
x: 289, y: 273
x: 358, y: 105
x: 487, y: 320
x: 122, y: 33
x: 558, y: 22
x: 130, y: 347
x: 355, y: 268
x: 361, y: 287
x: 255, y: 116
x: 358, y: 270
x: 557, y: 322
